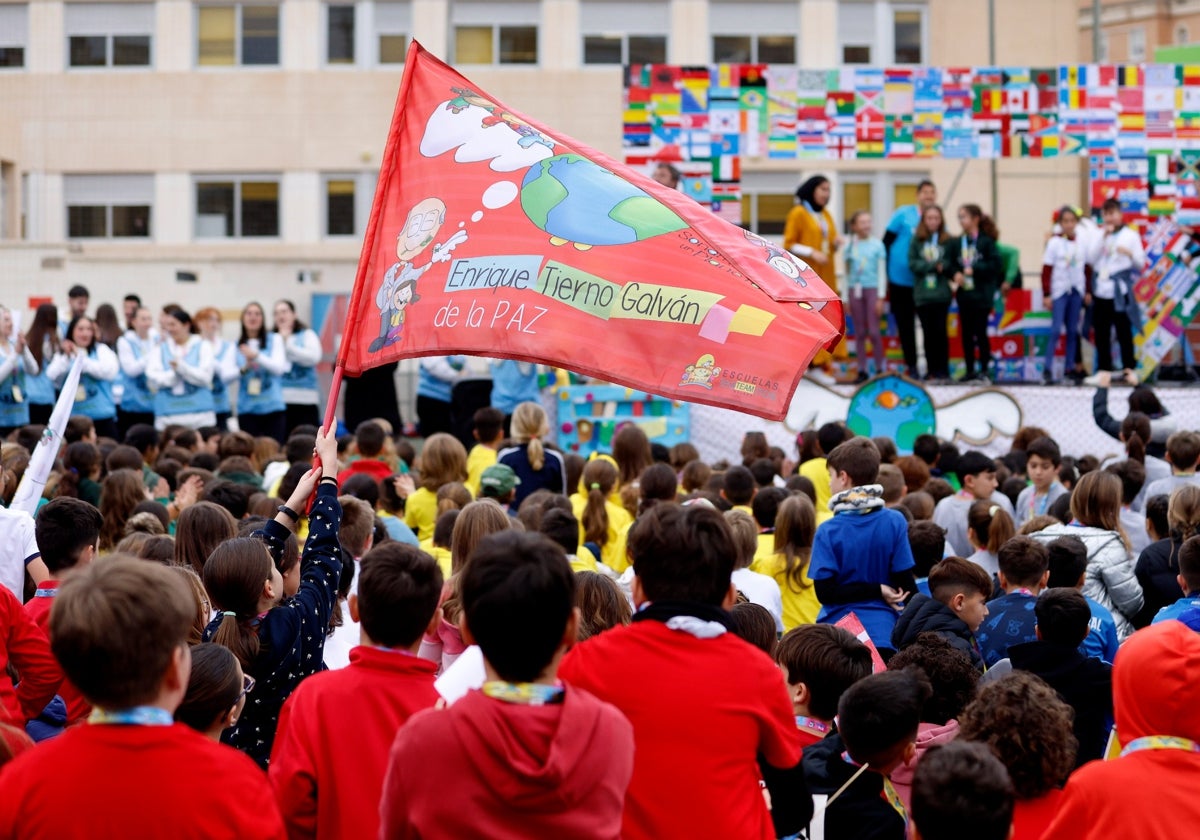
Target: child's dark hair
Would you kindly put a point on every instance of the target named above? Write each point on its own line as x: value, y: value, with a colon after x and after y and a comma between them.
x: 656, y: 485
x: 766, y: 505
x: 959, y: 790
x: 235, y: 498
x: 950, y: 673
x: 116, y: 627
x: 443, y: 529
x: 858, y: 458
x: 64, y: 528
x: 78, y: 427
x: 683, y: 554
x: 1027, y: 725
x: 827, y: 659
x: 803, y: 485
x: 1183, y: 448
x: 754, y: 624
x: 927, y: 448
x: 200, y: 529
x: 954, y: 575
x: 518, y: 595
x: 927, y: 540
x: 920, y: 504
x: 738, y: 485
x: 1068, y: 558
x: 1063, y: 615
x: 1135, y: 431
x: 973, y: 463
x: 488, y: 424
x: 892, y: 481
x: 1189, y: 563
x: 602, y: 605
x: 81, y: 460
x: 362, y: 487
x: 1109, y: 205
x: 764, y: 472
x: 695, y: 475
x: 370, y: 438
x: 1023, y: 561
x: 213, y: 687
x: 234, y: 576
x: 399, y: 587
x: 1157, y: 511
x: 830, y: 436
x: 1132, y: 475
x: 879, y: 715
x: 1046, y: 449
x: 887, y: 449
x: 561, y: 527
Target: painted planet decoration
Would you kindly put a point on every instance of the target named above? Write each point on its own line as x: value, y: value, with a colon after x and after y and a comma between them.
x: 892, y: 407
x: 577, y: 201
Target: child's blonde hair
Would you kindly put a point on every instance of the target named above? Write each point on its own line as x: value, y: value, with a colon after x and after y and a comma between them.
x: 443, y: 459
x: 745, y: 536
x: 529, y: 426
x: 452, y: 496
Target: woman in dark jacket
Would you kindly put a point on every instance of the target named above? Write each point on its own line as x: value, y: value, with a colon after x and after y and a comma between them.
x: 1142, y: 398
x: 931, y: 289
x: 976, y: 268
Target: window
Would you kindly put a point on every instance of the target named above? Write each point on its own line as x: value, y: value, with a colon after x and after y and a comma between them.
x: 339, y: 34
x: 908, y: 36
x: 109, y: 34
x: 14, y: 32
x: 347, y: 203
x: 108, y: 206
x: 393, y: 22
x: 1103, y: 44
x: 763, y: 31
x: 1182, y: 35
x: 624, y: 31
x: 1137, y: 44
x: 232, y: 207
x: 237, y: 35
x: 856, y: 32
x: 496, y: 33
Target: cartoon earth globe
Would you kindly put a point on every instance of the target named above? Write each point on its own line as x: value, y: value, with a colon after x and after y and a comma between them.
x: 893, y: 407
x: 576, y: 201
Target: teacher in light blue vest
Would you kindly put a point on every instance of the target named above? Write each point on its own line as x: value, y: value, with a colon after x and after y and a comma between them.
x: 302, y: 348
x: 261, y: 365
x: 181, y: 371
x: 134, y: 350
x: 94, y: 397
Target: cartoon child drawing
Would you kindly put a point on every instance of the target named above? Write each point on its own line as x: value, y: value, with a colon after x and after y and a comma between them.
x: 702, y: 373
x: 399, y: 289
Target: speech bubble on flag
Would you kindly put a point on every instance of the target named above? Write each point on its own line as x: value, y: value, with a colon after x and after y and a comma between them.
x: 462, y: 129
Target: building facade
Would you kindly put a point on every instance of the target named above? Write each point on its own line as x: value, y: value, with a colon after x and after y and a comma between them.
x: 217, y: 152
x: 1131, y: 30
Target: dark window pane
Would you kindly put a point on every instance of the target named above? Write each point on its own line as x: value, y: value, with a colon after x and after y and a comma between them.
x: 260, y: 208
x: 601, y: 49
x: 392, y: 49
x: 260, y: 35
x: 131, y: 50
x: 518, y: 45
x: 341, y: 35
x: 776, y: 49
x: 907, y: 32
x: 856, y: 54
x: 89, y: 50
x: 86, y: 220
x: 12, y: 56
x: 214, y: 209
x: 647, y: 49
x: 731, y: 49
x: 339, y: 208
x: 131, y: 221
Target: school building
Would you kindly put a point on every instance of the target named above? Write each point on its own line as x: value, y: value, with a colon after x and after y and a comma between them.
x: 218, y: 152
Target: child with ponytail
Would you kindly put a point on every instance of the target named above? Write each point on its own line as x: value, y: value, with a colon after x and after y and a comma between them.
x: 988, y: 527
x: 795, y: 530
x: 537, y: 467
x: 602, y: 524
x: 277, y: 642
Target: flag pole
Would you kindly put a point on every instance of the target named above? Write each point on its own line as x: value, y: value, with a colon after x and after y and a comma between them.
x: 335, y: 388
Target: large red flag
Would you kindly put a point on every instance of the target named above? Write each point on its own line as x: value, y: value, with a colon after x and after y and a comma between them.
x: 492, y: 235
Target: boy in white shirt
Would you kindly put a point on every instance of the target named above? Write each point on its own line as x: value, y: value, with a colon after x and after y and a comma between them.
x: 1117, y: 266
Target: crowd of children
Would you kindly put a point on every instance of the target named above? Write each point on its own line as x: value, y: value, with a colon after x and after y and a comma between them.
x: 855, y: 645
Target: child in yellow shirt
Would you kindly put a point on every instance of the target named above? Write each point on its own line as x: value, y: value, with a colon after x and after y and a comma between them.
x: 600, y: 521
x: 487, y: 426
x: 795, y: 529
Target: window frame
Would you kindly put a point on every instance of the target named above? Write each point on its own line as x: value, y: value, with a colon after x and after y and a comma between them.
x: 474, y: 14
x: 357, y: 59
x: 754, y: 45
x: 237, y: 180
x: 401, y: 28
x: 624, y: 38
x: 923, y: 27
x: 364, y: 195
x: 144, y: 186
x: 495, y: 32
x: 239, y: 36
x: 18, y: 10
x: 1140, y: 31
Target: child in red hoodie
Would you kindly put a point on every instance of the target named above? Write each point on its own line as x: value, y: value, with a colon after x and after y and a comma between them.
x: 1150, y: 791
x: 326, y: 788
x: 68, y: 531
x: 525, y: 756
x: 703, y: 703
x: 120, y: 630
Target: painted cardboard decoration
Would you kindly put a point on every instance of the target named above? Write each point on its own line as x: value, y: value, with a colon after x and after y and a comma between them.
x: 493, y: 235
x: 896, y: 407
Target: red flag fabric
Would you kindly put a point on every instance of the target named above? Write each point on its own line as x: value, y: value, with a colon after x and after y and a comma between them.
x: 492, y: 235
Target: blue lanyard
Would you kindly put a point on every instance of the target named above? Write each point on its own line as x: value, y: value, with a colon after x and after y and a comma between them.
x: 137, y: 716
x: 45, y: 593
